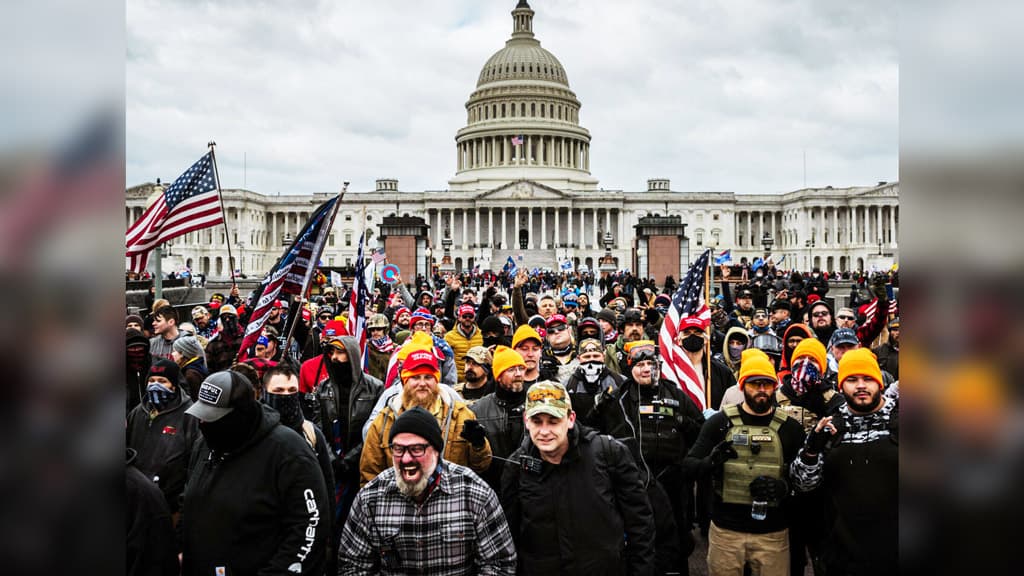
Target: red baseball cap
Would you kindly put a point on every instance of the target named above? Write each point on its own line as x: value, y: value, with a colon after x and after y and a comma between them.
x: 466, y: 309
x: 555, y: 319
x: 692, y: 322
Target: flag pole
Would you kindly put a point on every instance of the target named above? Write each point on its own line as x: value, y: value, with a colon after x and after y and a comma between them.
x: 711, y: 332
x: 313, y: 259
x: 223, y: 214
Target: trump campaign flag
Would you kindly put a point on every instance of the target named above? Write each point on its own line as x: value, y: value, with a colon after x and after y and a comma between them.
x: 291, y: 273
x: 688, y: 303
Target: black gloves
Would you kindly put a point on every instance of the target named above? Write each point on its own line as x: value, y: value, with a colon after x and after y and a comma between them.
x: 878, y: 286
x: 817, y: 441
x: 341, y: 468
x: 719, y: 454
x: 768, y: 489
x: 474, y: 433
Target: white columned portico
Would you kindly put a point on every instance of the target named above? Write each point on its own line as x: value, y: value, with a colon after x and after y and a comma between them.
x: 568, y: 235
x: 476, y: 220
x: 558, y: 233
x: 490, y: 226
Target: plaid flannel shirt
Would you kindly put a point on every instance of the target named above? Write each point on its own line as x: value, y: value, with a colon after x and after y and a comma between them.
x: 459, y: 529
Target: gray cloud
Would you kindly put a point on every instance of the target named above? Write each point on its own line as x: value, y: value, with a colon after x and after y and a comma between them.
x: 715, y: 95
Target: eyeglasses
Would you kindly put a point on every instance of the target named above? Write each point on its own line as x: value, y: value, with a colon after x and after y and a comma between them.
x: 324, y: 316
x: 821, y: 314
x: 558, y: 329
x: 468, y: 316
x: 760, y: 383
x: 416, y: 450
x: 844, y: 317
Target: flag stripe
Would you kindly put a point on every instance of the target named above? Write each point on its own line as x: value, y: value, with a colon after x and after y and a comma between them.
x: 187, y: 205
x: 689, y: 301
x: 283, y: 278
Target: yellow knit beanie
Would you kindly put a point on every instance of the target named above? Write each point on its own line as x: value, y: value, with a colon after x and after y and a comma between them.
x: 755, y: 364
x: 505, y: 358
x: 813, y: 348
x: 860, y: 362
x: 526, y: 332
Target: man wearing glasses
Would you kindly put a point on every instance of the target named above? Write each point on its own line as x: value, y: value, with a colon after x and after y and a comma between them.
x: 560, y: 354
x: 563, y: 472
x: 747, y: 450
x: 424, y: 514
x: 465, y: 335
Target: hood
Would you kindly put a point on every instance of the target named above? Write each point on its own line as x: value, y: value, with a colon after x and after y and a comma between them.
x: 355, y: 360
x: 269, y: 419
x: 725, y: 344
x: 790, y: 330
x: 419, y: 295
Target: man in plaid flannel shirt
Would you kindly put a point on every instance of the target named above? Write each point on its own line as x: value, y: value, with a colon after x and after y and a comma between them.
x: 425, y: 515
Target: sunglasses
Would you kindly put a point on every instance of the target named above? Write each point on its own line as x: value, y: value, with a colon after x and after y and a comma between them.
x: 844, y: 317
x: 468, y: 316
x: 820, y: 314
x: 558, y: 329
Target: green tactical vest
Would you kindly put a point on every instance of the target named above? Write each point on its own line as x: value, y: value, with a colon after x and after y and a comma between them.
x: 802, y: 415
x: 738, y: 473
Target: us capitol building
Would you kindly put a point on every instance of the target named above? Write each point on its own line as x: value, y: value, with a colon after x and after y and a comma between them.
x: 539, y: 199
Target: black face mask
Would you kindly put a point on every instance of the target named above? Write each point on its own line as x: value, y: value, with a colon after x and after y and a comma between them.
x: 230, y: 432
x: 287, y: 405
x: 693, y: 343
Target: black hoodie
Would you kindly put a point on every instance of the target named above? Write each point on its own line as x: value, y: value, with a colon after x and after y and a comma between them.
x: 250, y: 511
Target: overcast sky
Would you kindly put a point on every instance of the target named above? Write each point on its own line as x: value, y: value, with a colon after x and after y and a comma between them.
x: 716, y: 96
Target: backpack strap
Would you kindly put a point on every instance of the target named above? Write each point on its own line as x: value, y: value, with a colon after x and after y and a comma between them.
x: 309, y: 433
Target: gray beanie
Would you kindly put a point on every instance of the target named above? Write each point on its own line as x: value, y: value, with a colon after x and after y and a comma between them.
x: 189, y: 347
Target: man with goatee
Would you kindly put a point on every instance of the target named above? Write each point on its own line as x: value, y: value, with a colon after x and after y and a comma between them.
x: 425, y: 515
x: 853, y: 456
x: 747, y: 450
x: 464, y: 439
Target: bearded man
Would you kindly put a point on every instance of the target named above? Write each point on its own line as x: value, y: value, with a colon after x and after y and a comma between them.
x: 441, y: 518
x: 464, y: 439
x: 747, y: 451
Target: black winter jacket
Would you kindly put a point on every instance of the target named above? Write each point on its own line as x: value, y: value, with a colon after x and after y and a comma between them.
x: 163, y: 443
x: 259, y: 510
x: 597, y: 480
x: 150, y: 534
x: 501, y: 415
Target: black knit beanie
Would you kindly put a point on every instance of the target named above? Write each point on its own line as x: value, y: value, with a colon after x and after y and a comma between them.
x: 418, y: 421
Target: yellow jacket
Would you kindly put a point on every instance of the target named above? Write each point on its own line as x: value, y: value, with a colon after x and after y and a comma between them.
x: 460, y: 345
x: 451, y: 414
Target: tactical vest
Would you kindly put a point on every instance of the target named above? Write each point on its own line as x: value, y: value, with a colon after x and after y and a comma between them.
x: 760, y: 454
x: 805, y: 417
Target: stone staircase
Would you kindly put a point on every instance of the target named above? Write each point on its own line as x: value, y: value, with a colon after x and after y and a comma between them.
x: 535, y: 258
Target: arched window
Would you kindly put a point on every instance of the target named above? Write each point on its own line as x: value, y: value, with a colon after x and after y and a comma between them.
x: 533, y: 109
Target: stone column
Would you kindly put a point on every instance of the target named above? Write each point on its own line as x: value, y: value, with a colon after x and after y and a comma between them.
x: 620, y: 242
x: 558, y: 232
x: 543, y: 227
x: 476, y: 222
x: 490, y: 228
x: 530, y: 228
x: 465, y: 229
x: 568, y: 235
x: 878, y: 224
x: 504, y: 230
x: 835, y: 225
x: 597, y: 242
x: 273, y: 228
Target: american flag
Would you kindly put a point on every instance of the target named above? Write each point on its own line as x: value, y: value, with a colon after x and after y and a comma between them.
x: 687, y: 302
x: 189, y: 204
x: 359, y: 295
x: 517, y: 140
x: 378, y: 256
x: 289, y: 273
x: 869, y: 312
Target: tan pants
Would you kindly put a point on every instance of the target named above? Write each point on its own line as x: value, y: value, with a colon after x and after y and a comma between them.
x: 767, y: 554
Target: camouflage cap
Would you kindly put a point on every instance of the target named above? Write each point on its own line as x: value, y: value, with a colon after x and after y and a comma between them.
x: 548, y: 397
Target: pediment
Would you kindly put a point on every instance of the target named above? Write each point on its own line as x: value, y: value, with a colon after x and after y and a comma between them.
x: 523, y: 190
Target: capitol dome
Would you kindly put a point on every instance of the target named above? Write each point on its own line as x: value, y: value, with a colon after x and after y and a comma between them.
x: 522, y: 121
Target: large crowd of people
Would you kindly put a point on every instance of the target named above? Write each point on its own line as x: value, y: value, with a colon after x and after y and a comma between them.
x: 519, y: 423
